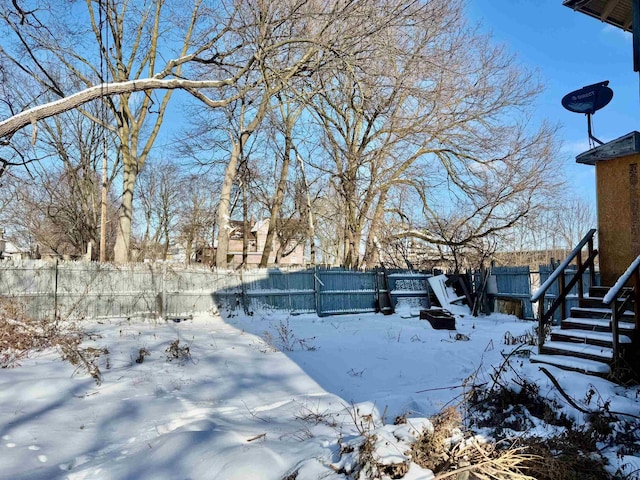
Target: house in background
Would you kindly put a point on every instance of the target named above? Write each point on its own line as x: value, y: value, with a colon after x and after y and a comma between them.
x: 257, y: 238
x: 10, y: 250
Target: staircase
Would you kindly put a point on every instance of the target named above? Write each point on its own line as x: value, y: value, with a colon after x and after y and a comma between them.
x: 601, y: 335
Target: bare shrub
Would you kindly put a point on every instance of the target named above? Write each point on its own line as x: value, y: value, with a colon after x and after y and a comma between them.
x: 315, y: 416
x: 83, y: 358
x: 20, y: 335
x: 450, y: 451
x: 565, y: 457
x: 429, y: 451
x: 285, y: 340
x: 142, y: 353
x: 175, y: 352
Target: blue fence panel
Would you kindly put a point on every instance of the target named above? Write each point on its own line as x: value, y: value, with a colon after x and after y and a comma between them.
x: 280, y: 290
x: 343, y: 291
x: 514, y: 283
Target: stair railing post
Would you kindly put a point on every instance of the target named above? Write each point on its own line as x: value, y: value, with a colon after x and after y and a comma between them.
x: 614, y: 328
x: 541, y: 333
x: 580, y: 285
x: 561, y: 289
x: 592, y: 268
x: 636, y: 298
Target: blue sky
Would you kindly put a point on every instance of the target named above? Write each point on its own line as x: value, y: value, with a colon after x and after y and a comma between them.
x: 569, y: 50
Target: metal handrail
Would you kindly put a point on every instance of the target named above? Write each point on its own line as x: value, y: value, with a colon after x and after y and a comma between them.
x: 563, y: 288
x: 614, y: 293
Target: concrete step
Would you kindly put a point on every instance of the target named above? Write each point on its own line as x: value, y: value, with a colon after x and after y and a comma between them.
x: 574, y: 364
x: 597, y: 325
x: 579, y: 350
x: 603, y: 339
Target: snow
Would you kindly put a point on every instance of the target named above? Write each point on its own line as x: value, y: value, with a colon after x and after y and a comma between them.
x: 596, y: 322
x: 260, y: 397
x: 601, y: 352
x: 586, y: 334
x: 581, y: 364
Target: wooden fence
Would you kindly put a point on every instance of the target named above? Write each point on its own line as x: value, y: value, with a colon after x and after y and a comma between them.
x: 91, y: 290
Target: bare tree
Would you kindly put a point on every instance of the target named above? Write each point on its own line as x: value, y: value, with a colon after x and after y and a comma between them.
x: 198, y: 213
x: 437, y: 114
x: 160, y: 194
x: 58, y: 201
x: 128, y: 40
x: 406, y: 97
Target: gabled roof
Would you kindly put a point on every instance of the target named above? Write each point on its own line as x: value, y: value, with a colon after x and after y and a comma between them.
x: 618, y: 13
x: 237, y: 230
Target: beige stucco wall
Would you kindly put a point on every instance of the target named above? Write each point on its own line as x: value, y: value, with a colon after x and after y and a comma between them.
x: 618, y: 193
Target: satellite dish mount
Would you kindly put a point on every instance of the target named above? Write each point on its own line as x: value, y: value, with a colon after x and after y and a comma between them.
x: 588, y: 100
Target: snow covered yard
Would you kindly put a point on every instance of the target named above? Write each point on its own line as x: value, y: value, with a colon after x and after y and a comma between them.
x: 268, y: 396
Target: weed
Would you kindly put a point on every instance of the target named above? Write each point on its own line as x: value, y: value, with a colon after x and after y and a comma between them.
x: 527, y: 338
x: 285, y: 340
x: 316, y: 417
x: 142, y: 353
x: 175, y: 352
x: 20, y: 334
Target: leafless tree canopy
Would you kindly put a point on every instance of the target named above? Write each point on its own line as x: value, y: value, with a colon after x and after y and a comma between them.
x: 365, y: 130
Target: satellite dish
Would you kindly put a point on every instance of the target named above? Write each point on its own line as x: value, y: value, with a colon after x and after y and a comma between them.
x: 588, y: 100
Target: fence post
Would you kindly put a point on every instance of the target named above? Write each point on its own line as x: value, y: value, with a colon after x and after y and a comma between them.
x: 376, y: 286
x: 163, y: 312
x: 316, y: 289
x: 243, y: 293
x: 55, y: 292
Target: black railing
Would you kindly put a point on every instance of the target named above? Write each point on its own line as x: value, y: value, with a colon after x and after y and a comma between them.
x: 565, y: 287
x: 619, y: 298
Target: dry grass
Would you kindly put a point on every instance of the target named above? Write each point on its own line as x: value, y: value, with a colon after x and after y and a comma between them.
x: 372, y: 468
x: 450, y: 452
x: 563, y: 458
x: 21, y: 335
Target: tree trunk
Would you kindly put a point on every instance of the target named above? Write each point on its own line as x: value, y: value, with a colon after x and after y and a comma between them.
x: 277, y: 203
x: 351, y: 254
x: 312, y: 230
x: 245, y: 218
x: 371, y: 254
x: 224, y: 209
x: 125, y: 214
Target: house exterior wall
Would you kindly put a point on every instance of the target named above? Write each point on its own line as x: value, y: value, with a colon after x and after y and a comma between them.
x: 618, y: 198
x: 256, y: 247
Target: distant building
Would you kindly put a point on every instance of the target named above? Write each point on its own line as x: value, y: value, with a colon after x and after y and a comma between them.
x: 257, y: 238
x: 10, y: 250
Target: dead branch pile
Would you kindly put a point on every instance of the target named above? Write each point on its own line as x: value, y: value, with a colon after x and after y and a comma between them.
x: 450, y: 452
x: 21, y: 335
